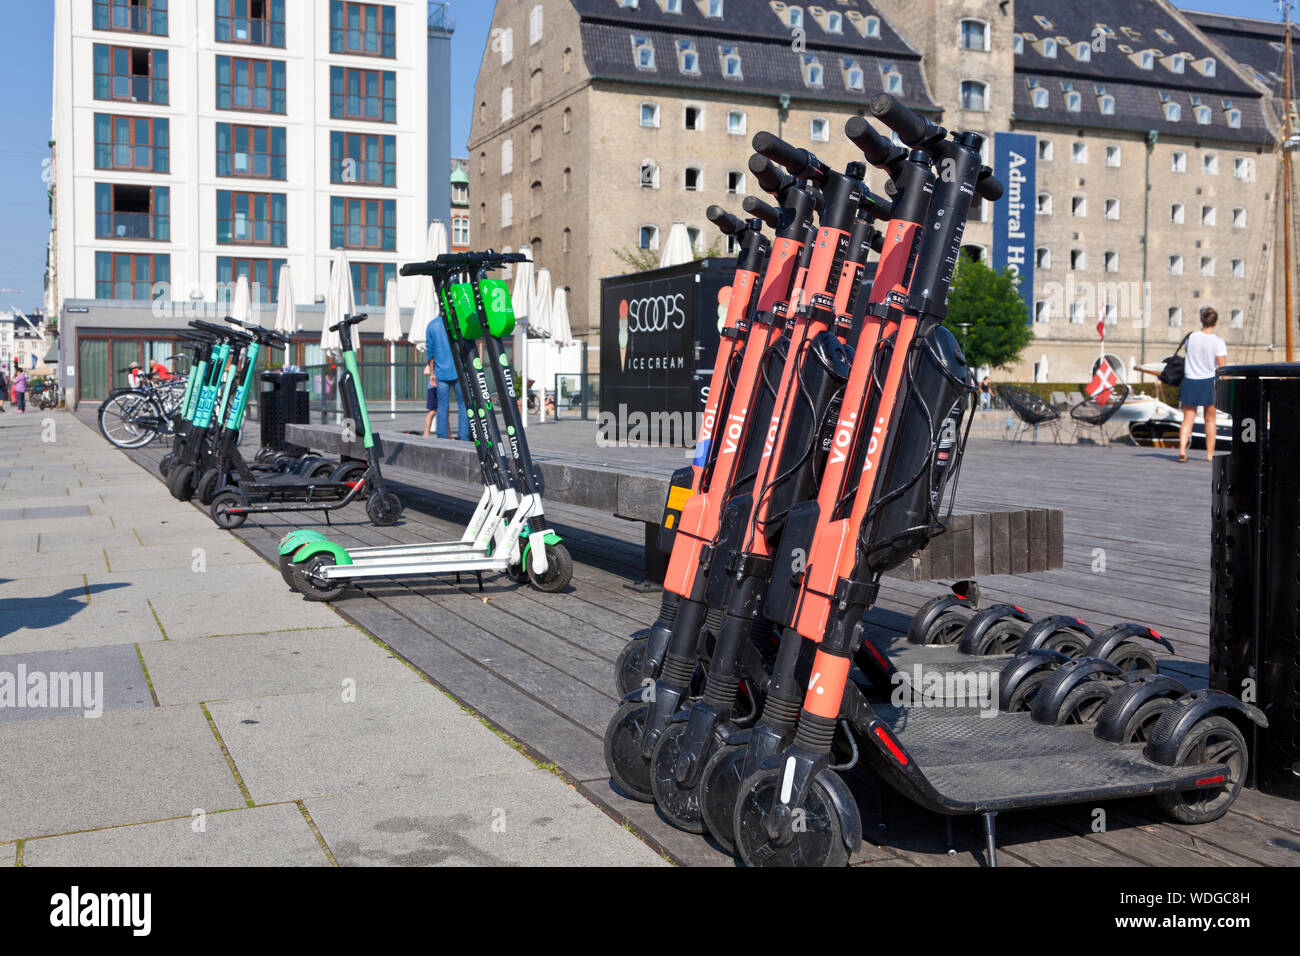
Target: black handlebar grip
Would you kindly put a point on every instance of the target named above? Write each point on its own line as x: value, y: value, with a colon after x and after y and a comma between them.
x: 761, y: 210
x: 771, y: 178
x: 988, y: 186
x: 800, y: 162
x: 727, y: 224
x: 911, y: 128
x: 416, y: 269
x: 878, y: 150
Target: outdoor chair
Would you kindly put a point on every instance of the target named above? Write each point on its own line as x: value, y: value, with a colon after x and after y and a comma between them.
x: 1058, y: 399
x: 1088, y: 414
x: 1031, y: 411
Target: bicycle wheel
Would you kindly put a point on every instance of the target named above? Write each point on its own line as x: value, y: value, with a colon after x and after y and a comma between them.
x: 129, y: 420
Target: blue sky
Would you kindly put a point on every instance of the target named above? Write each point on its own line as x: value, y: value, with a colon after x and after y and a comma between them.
x: 25, y: 66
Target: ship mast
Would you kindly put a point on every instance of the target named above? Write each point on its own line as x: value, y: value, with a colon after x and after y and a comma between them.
x: 1286, y: 191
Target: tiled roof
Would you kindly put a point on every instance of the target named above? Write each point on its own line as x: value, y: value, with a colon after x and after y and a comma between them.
x: 769, y: 64
x: 1256, y: 45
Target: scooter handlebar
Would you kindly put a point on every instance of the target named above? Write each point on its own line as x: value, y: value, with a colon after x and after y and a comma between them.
x: 878, y: 150
x: 727, y: 224
x: 771, y: 178
x: 912, y: 128
x: 988, y: 186
x: 761, y: 210
x: 800, y: 162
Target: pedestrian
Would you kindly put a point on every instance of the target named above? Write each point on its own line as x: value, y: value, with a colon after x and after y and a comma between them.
x: 438, y: 348
x: 431, y: 400
x: 133, y: 374
x: 4, y: 390
x: 20, y: 390
x: 986, y: 395
x: 1205, y: 353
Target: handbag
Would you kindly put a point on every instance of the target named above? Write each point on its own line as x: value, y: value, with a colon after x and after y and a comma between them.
x: 1172, y: 373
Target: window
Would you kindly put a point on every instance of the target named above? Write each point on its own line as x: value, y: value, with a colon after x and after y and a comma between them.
x: 735, y: 182
x: 1045, y: 150
x: 1110, y: 260
x: 460, y: 193
x: 263, y: 275
x: 794, y: 17
x: 535, y: 144
x: 1176, y: 213
x: 132, y: 142
x: 648, y: 238
x: 1236, y: 319
x: 855, y: 78
x: 1202, y: 115
x: 688, y: 57
x: 1043, y: 258
x: 1078, y: 312
x: 1017, y: 43
x: 729, y: 55
x: 1239, y: 217
x: 1175, y: 317
x: 1207, y: 265
x: 507, y: 210
x: 259, y: 22
x: 255, y: 85
x: 693, y: 118
x: 482, y: 214
x: 1178, y: 162
x: 370, y: 281
x: 1207, y: 216
x: 649, y: 175
x: 671, y: 6
x: 363, y: 223
x: 650, y: 114
x: 535, y: 209
x: 974, y: 35
x: 1239, y: 268
x: 973, y: 95
x: 507, y: 104
x: 252, y: 151
x: 693, y: 236
x: 1173, y: 112
x: 1074, y: 101
x: 1083, y: 52
x: 566, y: 60
x: 131, y: 16
x: 1042, y: 312
x: 736, y: 124
x: 564, y: 179
x: 643, y: 53
x: 871, y: 27
x: 250, y: 218
x: 1106, y: 104
x: 693, y: 178
x: 1210, y: 164
x: 1079, y: 206
x: 566, y: 241
x: 1077, y: 260
x: 1113, y: 156
x: 567, y: 120
x: 1044, y: 207
x: 507, y: 156
x: 366, y: 158
x: 125, y: 275
x: 507, y: 43
x: 534, y: 86
x: 1243, y: 168
x: 1049, y: 48
x: 1079, y: 152
x: 1208, y: 66
x: 1175, y: 266
x: 1040, y: 98
x: 892, y: 80
x: 813, y: 74
x: 1146, y: 61
x: 535, y: 25
x: 834, y: 22
x: 821, y: 130
x: 130, y: 73
x: 1234, y: 118
x: 714, y: 10
x: 1112, y: 208
x: 132, y: 212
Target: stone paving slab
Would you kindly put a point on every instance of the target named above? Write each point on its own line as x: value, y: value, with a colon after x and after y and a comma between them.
x: 44, y: 513
x: 128, y: 766
x: 73, y: 623
x: 9, y: 854
x: 305, y: 745
x: 108, y: 678
x: 515, y: 819
x: 72, y: 542
x: 157, y: 557
x: 288, y: 662
x: 18, y: 593
x: 259, y: 836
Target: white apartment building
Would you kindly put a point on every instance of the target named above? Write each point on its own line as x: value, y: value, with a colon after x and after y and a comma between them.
x: 197, y: 141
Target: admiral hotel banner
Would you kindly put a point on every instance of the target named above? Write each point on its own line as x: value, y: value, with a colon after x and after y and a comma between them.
x: 1014, y: 159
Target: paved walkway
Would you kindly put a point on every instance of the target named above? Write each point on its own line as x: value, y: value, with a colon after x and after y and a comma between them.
x: 234, y: 723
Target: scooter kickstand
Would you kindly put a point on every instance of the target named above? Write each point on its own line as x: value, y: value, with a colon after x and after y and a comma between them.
x: 947, y: 836
x: 990, y: 837
x: 479, y: 575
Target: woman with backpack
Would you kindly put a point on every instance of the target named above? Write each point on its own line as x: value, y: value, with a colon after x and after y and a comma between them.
x: 1206, y: 352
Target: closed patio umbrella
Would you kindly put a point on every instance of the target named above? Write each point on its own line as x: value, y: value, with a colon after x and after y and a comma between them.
x: 392, y: 335
x: 521, y: 298
x: 339, y: 302
x: 435, y: 245
x: 284, y: 315
x: 677, y: 250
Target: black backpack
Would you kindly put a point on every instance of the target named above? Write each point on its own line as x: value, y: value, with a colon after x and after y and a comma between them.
x: 1172, y: 373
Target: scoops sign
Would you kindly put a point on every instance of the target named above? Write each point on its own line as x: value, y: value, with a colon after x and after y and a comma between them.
x: 1014, y: 159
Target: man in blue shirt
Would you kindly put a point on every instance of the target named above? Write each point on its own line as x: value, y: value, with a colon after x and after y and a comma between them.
x: 437, y: 348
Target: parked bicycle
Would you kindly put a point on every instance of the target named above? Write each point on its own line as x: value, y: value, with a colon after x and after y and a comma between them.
x: 44, y: 394
x: 133, y: 417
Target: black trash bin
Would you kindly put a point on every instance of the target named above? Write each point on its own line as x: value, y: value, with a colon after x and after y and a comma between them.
x: 283, y: 402
x: 1255, y: 535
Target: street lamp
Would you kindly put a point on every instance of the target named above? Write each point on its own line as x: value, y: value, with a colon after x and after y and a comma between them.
x: 1152, y: 136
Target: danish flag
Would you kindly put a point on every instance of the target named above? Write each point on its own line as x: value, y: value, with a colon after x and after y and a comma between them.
x: 1103, y: 381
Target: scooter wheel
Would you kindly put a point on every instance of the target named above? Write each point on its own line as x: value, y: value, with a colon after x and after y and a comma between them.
x: 322, y: 470
x: 947, y: 628
x: 630, y: 771
x: 225, y: 505
x: 1002, y: 637
x: 308, y: 582
x: 1137, y: 729
x: 207, y: 486
x: 1133, y: 659
x: 165, y: 464
x: 1023, y: 696
x: 629, y: 669
x: 180, y: 483
x: 1211, y: 740
x: 680, y: 805
x: 559, y: 570
x: 285, y: 562
x: 1083, y: 704
x: 719, y: 786
x: 816, y: 838
x: 384, y: 508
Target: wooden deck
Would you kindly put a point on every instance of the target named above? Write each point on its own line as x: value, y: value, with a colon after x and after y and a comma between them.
x: 540, y: 667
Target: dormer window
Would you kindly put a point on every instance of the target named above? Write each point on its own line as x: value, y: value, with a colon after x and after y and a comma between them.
x: 1146, y: 60
x: 1208, y: 66
x: 794, y: 17
x: 1083, y: 52
x: 729, y: 55
x: 688, y: 58
x: 1202, y: 115
x: 1040, y: 98
x: 834, y: 22
x: 1042, y: 21
x: 672, y: 6
x: 643, y: 52
x: 1074, y: 102
x: 1048, y: 48
x: 1164, y: 35
x: 812, y: 70
x: 1176, y: 63
x: 854, y: 76
x: 893, y: 82
x: 1017, y: 44
x: 1173, y: 112
x: 1234, y: 119
x: 1106, y: 104
x: 872, y: 25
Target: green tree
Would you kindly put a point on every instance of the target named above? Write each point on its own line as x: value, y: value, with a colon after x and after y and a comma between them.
x: 989, y: 303
x: 643, y: 260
